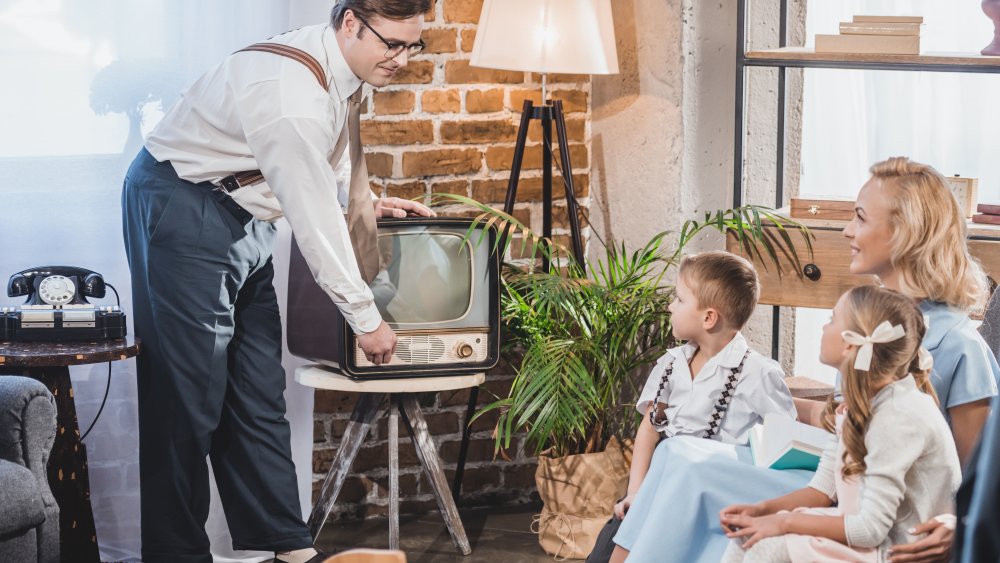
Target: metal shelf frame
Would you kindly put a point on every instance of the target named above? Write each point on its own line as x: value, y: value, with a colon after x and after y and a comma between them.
x: 783, y: 60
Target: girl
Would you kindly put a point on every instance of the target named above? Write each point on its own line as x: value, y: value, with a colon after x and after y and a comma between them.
x: 894, y: 464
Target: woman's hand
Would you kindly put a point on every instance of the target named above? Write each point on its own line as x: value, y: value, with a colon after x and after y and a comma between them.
x: 622, y: 506
x: 739, y: 509
x: 935, y: 547
x: 756, y: 528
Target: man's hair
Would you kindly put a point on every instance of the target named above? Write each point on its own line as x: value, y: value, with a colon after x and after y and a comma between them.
x: 722, y: 281
x: 368, y: 9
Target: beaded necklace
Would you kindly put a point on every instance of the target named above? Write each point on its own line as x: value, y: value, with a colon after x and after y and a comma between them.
x: 658, y: 414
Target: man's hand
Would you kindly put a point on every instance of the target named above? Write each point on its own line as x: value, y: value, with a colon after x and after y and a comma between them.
x: 935, y: 547
x: 399, y: 208
x: 379, y: 344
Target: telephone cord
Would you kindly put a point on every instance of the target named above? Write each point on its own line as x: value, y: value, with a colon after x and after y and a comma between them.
x: 107, y: 387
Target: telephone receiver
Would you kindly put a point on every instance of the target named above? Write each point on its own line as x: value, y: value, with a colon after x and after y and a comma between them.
x: 56, y: 285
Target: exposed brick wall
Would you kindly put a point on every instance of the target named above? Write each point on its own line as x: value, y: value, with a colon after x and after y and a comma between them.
x: 446, y: 127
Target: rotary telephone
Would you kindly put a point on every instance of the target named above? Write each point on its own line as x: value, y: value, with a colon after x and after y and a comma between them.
x: 57, y: 308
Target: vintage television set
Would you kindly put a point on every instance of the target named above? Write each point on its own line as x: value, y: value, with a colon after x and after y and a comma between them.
x: 438, y: 290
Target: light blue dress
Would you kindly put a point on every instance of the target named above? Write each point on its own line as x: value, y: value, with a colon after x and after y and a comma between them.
x: 675, y: 514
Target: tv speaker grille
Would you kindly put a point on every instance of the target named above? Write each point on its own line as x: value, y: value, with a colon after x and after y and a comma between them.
x: 419, y: 349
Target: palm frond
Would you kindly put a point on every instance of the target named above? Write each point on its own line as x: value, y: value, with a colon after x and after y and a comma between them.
x: 586, y: 337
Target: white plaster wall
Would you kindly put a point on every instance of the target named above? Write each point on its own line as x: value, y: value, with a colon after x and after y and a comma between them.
x: 636, y: 137
x: 662, y: 130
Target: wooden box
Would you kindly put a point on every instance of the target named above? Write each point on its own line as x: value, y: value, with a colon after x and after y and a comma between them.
x: 829, y: 270
x: 818, y: 207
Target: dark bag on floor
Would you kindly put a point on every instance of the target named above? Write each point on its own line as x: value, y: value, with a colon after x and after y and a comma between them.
x: 604, y: 545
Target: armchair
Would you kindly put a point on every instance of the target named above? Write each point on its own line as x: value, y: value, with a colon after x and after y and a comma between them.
x: 29, y: 515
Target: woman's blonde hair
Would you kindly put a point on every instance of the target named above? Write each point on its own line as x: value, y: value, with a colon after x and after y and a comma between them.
x: 867, y: 307
x: 929, y: 247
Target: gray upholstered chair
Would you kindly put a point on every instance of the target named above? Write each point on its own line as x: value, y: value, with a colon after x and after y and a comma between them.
x: 29, y: 515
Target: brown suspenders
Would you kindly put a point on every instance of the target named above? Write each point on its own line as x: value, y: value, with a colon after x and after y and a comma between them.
x: 236, y: 181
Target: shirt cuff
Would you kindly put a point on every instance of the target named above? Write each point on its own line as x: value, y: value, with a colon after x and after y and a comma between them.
x: 855, y: 531
x: 826, y: 486
x: 365, y: 320
x: 946, y: 520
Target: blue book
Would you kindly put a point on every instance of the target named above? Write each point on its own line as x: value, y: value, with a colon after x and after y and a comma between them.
x: 783, y: 443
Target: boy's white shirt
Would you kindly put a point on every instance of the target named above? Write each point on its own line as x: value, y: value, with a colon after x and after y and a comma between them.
x: 761, y: 390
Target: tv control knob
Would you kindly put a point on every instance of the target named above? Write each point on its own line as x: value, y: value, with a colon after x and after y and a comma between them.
x: 464, y: 350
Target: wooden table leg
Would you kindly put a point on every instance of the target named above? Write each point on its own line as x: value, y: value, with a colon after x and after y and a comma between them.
x: 427, y: 453
x: 354, y: 435
x: 67, y: 472
x: 393, y: 473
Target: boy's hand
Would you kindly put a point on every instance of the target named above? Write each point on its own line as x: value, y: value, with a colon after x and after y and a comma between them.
x: 623, y: 505
x: 750, y: 510
x: 754, y: 529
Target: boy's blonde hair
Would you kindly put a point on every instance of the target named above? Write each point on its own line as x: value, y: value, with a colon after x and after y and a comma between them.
x: 722, y: 281
x: 867, y: 307
x: 929, y: 248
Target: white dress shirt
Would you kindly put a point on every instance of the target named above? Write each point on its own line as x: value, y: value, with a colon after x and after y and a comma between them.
x: 760, y: 390
x: 264, y: 111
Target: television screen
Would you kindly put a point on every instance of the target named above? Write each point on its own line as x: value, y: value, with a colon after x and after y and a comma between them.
x: 436, y: 267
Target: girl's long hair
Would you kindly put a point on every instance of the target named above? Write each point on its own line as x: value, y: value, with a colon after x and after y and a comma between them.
x: 867, y: 307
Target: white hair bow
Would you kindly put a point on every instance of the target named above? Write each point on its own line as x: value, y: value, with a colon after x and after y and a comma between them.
x: 884, y: 332
x: 924, y: 359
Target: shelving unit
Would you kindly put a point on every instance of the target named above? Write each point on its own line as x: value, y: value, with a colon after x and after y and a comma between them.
x: 785, y: 57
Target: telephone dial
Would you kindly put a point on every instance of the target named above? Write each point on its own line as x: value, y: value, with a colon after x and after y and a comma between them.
x: 57, y: 308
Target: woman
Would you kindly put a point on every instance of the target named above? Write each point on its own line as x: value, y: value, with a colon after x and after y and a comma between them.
x: 909, y: 232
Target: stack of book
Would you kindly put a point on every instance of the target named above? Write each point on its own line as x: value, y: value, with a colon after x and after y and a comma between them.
x: 883, y: 35
x: 783, y: 443
x: 988, y: 214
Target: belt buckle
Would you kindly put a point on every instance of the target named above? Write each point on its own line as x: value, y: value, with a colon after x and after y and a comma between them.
x: 229, y: 184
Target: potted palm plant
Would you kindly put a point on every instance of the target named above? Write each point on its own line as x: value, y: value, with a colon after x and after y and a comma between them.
x: 579, y: 339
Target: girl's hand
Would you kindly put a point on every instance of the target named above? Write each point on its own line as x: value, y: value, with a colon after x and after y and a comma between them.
x: 623, y: 505
x: 755, y: 528
x: 739, y: 509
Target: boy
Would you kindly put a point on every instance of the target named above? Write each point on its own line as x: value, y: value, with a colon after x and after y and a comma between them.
x: 714, y: 386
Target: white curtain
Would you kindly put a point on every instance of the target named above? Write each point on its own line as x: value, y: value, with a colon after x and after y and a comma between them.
x: 853, y: 118
x: 81, y: 81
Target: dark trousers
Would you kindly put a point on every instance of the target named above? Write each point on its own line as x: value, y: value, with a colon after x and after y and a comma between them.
x: 210, y: 379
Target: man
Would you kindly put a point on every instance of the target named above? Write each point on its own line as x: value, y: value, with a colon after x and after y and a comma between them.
x: 268, y: 132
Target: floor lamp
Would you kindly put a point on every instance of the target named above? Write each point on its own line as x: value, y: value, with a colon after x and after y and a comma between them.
x: 542, y: 36
x: 546, y: 36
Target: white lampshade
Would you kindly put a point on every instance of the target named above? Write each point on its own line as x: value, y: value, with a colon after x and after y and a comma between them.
x: 564, y: 36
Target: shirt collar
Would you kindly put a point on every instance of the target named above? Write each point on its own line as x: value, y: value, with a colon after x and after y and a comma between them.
x: 345, y: 82
x: 941, y: 318
x: 729, y: 357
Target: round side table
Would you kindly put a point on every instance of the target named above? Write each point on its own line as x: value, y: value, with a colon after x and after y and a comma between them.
x: 69, y: 479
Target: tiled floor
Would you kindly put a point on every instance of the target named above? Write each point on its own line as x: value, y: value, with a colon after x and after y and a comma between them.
x: 496, y: 535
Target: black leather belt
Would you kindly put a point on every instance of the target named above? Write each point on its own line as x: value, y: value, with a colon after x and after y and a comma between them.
x: 236, y: 181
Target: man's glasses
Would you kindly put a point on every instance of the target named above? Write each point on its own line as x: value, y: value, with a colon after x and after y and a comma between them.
x: 393, y: 50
